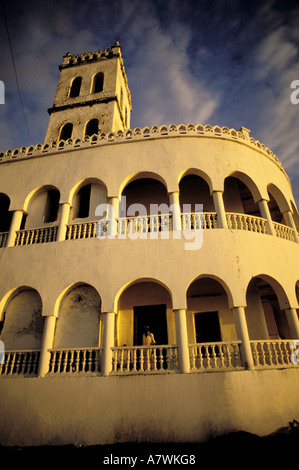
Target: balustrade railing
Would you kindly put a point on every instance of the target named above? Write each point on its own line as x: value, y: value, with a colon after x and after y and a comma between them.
x: 198, y: 221
x: 20, y: 362
x: 272, y: 353
x: 36, y: 235
x: 148, y: 225
x: 3, y: 239
x: 215, y: 356
x: 81, y: 230
x: 144, y: 359
x: 145, y: 224
x: 251, y: 223
x: 75, y: 360
x: 283, y: 231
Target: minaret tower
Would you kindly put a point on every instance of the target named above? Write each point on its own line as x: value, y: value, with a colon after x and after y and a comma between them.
x: 92, y: 96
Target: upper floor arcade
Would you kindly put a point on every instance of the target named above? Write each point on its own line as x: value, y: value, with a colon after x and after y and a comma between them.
x: 144, y: 206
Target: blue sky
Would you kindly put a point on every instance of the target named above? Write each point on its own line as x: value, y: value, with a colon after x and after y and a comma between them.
x: 224, y: 62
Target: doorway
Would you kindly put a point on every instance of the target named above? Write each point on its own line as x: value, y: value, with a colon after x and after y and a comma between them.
x: 207, y: 327
x: 153, y: 316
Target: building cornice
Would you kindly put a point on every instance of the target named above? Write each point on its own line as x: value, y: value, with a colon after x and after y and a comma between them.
x: 79, y: 104
x: 242, y: 136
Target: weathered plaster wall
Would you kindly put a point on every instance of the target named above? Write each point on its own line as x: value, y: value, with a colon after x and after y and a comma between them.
x: 23, y: 325
x: 180, y: 408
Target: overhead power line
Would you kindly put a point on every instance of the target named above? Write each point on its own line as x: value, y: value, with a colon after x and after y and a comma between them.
x: 14, y: 66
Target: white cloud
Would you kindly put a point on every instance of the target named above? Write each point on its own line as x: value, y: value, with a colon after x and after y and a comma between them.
x: 278, y: 67
x: 162, y: 81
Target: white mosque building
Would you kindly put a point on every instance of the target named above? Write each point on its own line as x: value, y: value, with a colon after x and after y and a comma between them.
x: 191, y: 230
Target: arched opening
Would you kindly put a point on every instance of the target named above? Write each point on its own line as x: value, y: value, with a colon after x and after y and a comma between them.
x: 5, y: 214
x: 209, y: 318
x: 22, y: 325
x: 81, y: 210
x: 92, y: 127
x: 277, y: 205
x: 265, y: 319
x: 88, y: 196
x: 78, y: 322
x: 195, y: 190
x: 211, y: 326
x: 144, y: 208
x: 295, y: 215
x: 144, y: 303
x: 66, y: 131
x: 97, y: 83
x: 238, y: 198
x: 52, y: 206
x: 75, y: 87
x: 43, y: 207
x: 147, y: 191
x: 275, y: 211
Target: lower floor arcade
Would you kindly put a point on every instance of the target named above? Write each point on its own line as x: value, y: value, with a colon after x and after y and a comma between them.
x: 211, y: 334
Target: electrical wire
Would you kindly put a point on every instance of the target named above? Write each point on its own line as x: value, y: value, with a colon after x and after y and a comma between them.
x: 14, y: 66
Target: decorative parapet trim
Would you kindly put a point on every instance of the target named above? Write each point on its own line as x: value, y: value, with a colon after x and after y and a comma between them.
x: 138, y: 134
x: 71, y: 60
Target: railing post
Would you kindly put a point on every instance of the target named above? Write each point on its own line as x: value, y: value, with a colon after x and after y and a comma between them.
x: 242, y: 332
x: 176, y: 211
x: 264, y: 208
x: 182, y: 340
x: 108, y: 342
x: 290, y: 221
x: 292, y: 318
x: 14, y: 227
x: 63, y: 221
x: 219, y: 208
x: 47, y: 343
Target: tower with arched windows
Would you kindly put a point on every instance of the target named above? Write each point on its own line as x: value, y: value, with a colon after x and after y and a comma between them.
x: 191, y: 230
x: 92, y: 96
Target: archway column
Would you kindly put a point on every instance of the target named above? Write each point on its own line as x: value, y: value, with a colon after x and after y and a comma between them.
x: 219, y: 208
x: 14, y: 227
x: 112, y: 216
x: 290, y: 221
x: 182, y: 340
x: 64, y: 219
x: 174, y: 200
x: 242, y: 332
x: 47, y: 343
x: 264, y: 208
x: 292, y: 318
x: 108, y: 342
